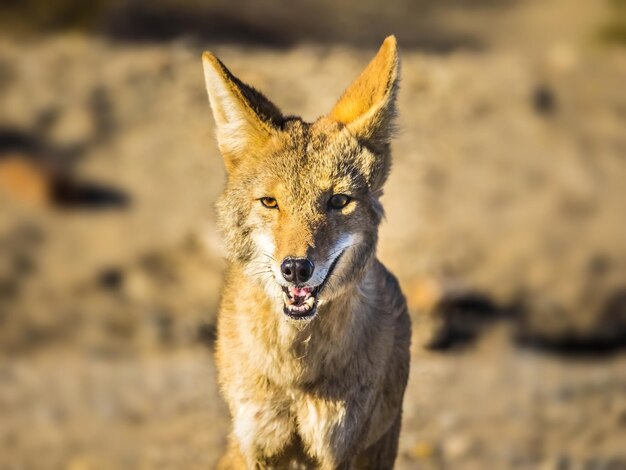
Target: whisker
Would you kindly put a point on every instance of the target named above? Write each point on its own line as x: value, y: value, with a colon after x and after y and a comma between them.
x: 258, y: 262
x: 331, y: 256
x: 268, y: 256
x: 268, y: 271
x: 265, y: 270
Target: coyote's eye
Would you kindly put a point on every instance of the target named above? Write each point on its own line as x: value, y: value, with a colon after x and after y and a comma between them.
x: 269, y: 202
x: 339, y: 201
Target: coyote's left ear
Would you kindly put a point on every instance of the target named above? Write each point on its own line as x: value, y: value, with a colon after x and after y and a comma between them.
x: 245, y: 119
x: 367, y: 107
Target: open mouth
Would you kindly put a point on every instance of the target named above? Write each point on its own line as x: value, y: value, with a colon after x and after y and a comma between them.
x: 300, y: 302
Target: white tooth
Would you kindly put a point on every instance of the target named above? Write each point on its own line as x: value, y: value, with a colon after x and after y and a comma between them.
x: 287, y: 299
x: 310, y: 301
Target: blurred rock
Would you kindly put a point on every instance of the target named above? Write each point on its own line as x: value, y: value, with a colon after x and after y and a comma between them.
x: 456, y: 447
x: 23, y: 181
x: 544, y: 100
x: 423, y: 450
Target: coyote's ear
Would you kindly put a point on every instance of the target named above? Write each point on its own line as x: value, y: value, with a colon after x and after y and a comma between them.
x: 245, y: 119
x: 367, y: 107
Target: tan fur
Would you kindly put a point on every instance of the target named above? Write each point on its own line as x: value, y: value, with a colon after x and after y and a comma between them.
x: 325, y: 392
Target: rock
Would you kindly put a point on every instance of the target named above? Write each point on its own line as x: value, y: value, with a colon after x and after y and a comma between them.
x: 423, y: 450
x: 456, y: 447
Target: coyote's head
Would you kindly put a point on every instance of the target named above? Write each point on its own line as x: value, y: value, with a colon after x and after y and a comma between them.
x: 301, y: 208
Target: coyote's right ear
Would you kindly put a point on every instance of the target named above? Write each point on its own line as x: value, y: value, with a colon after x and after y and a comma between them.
x: 367, y: 108
x: 245, y: 119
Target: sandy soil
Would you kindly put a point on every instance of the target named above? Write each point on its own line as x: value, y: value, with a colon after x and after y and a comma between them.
x: 504, y: 224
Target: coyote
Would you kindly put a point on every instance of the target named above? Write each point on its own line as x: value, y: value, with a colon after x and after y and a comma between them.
x: 313, y: 331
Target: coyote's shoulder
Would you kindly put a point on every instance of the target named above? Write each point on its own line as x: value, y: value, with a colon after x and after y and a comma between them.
x: 313, y: 331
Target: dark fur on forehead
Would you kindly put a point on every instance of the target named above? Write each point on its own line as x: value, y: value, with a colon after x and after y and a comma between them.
x: 296, y: 135
x: 293, y: 124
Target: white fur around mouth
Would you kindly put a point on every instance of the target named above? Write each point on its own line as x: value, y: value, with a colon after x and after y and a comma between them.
x: 300, y: 302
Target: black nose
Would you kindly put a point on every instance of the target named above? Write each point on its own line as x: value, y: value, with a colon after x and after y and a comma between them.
x: 297, y: 269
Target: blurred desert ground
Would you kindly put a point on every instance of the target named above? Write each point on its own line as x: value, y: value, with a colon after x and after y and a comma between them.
x: 505, y: 222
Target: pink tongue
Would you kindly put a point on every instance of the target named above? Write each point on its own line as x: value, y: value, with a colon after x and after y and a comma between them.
x: 300, y: 291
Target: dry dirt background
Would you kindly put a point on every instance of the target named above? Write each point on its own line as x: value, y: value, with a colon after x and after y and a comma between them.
x: 505, y: 223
